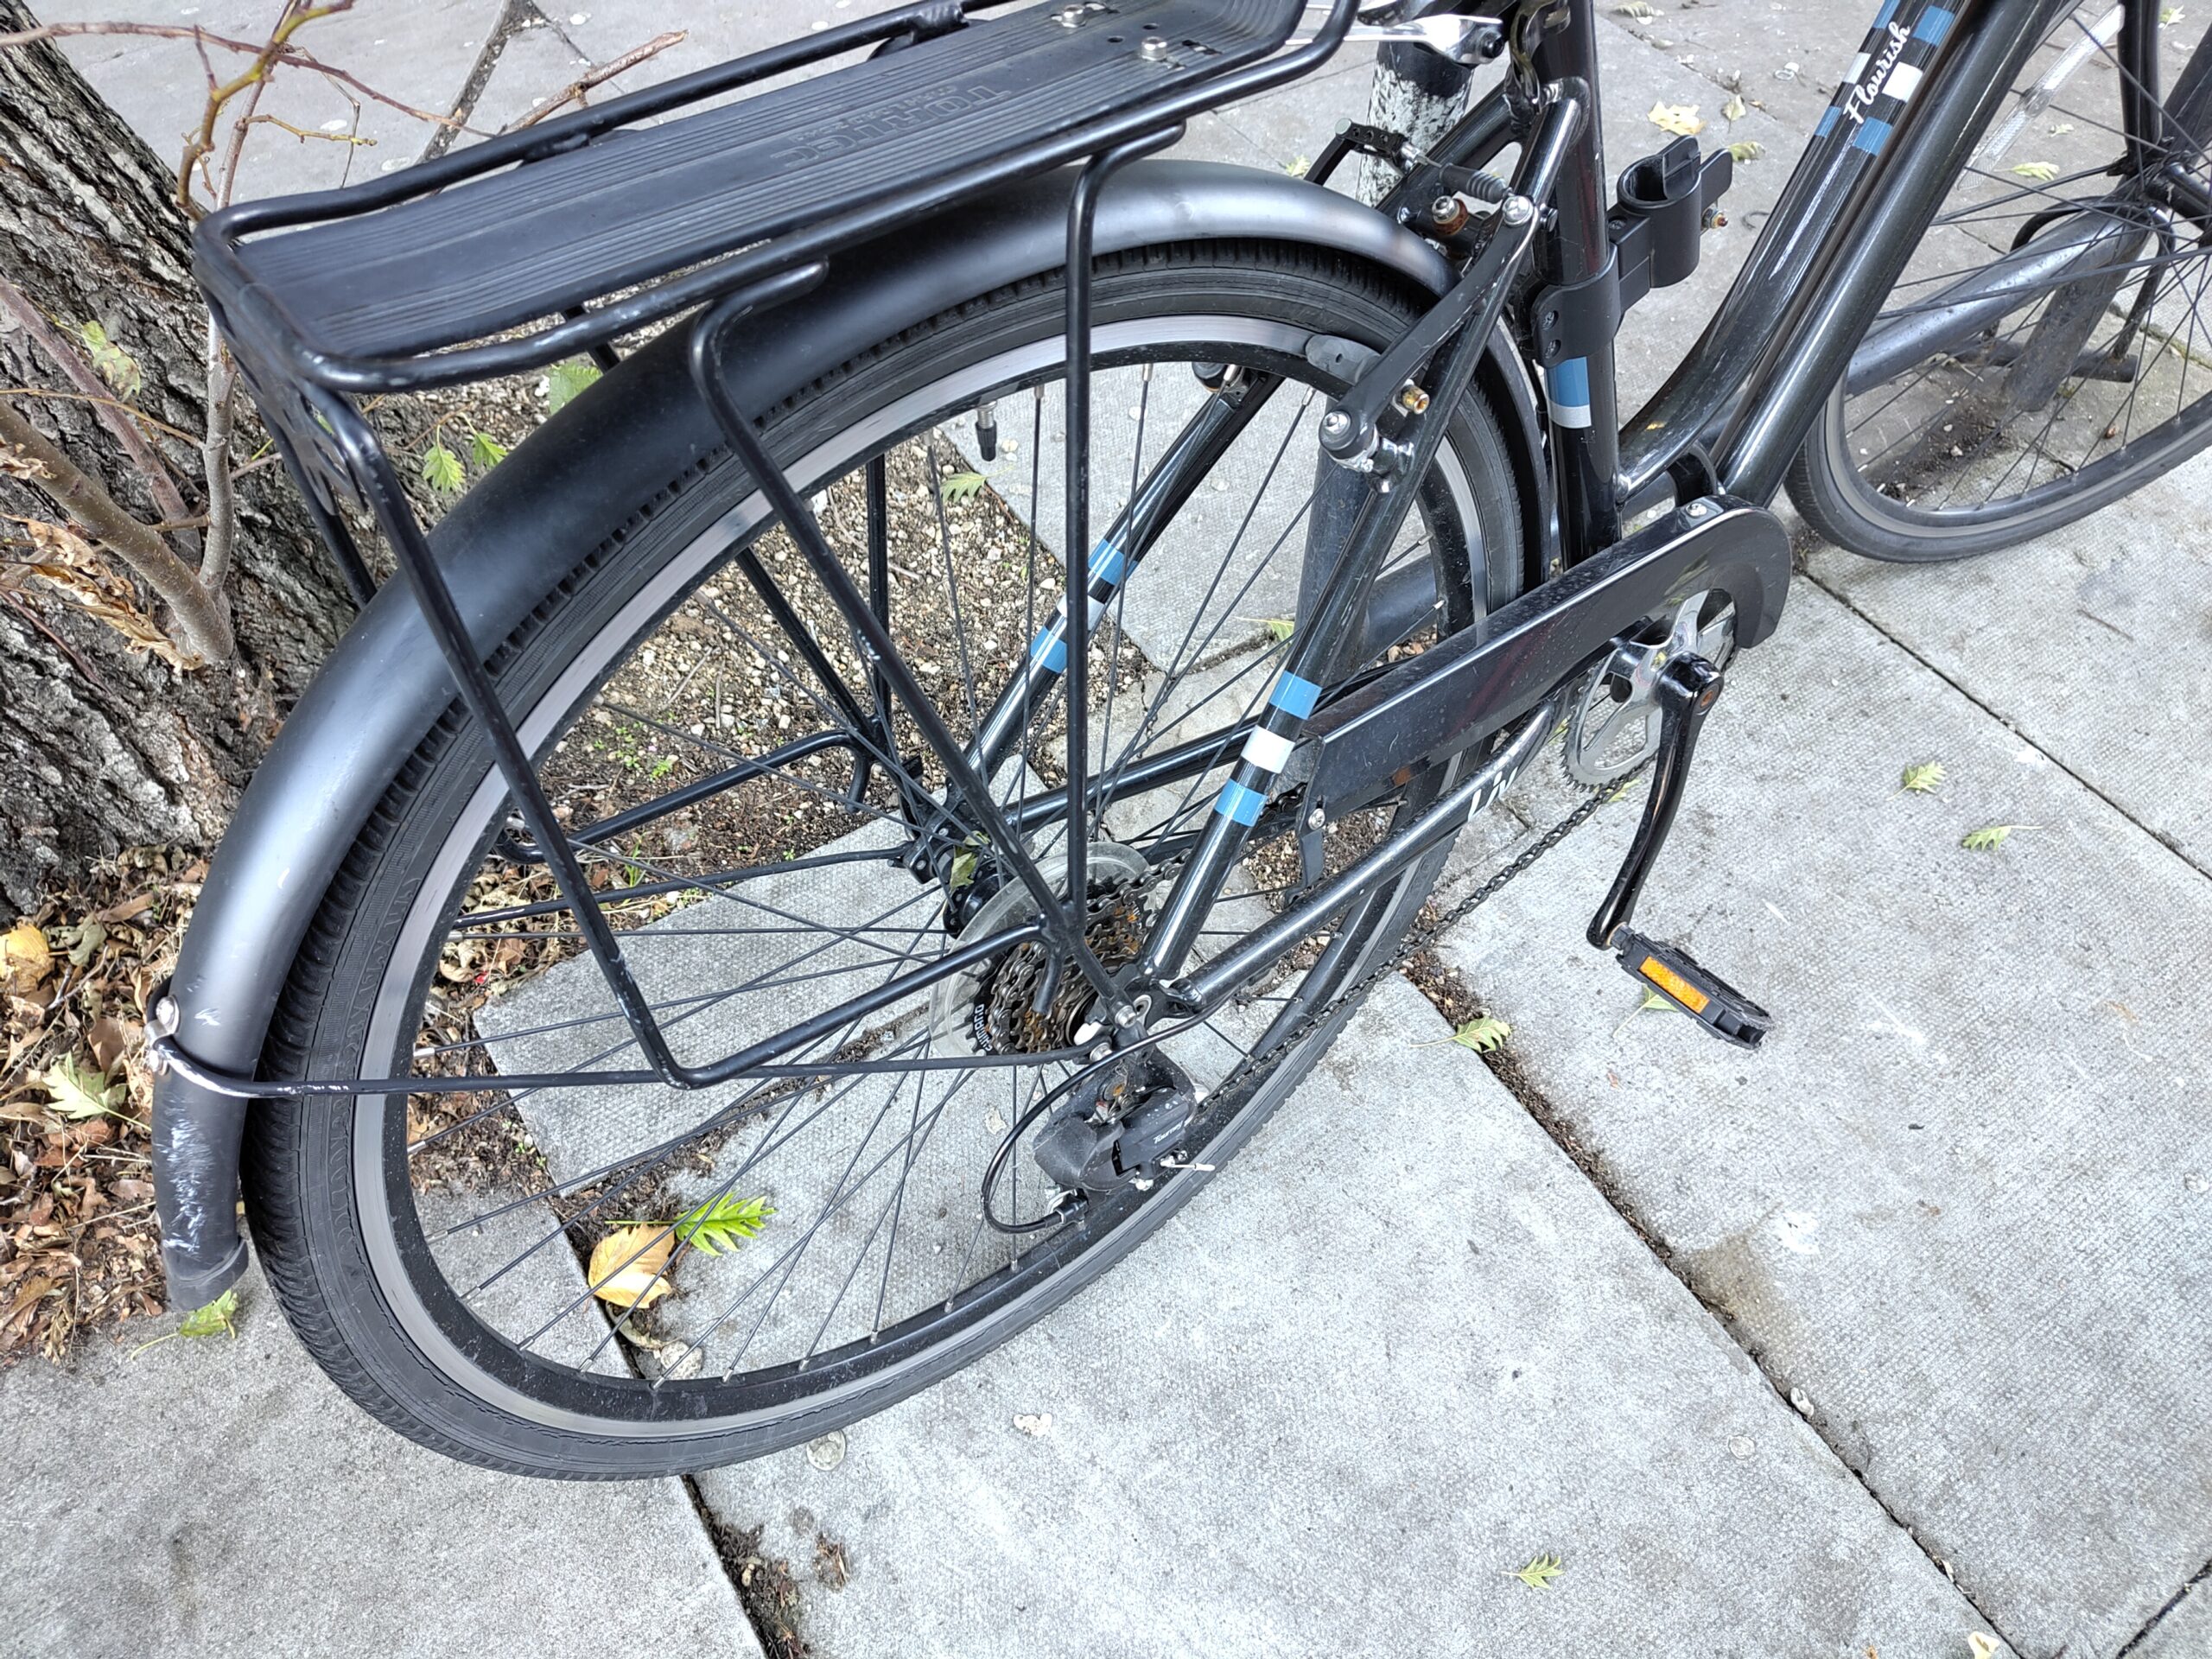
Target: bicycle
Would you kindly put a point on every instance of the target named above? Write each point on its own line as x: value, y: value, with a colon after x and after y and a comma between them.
x: 623, y: 1077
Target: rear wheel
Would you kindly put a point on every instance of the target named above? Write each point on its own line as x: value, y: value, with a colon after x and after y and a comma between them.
x: 627, y: 1280
x: 2047, y: 348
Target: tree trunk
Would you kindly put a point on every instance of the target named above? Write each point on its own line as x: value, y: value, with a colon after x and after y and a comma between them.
x: 102, y: 748
x: 1416, y: 91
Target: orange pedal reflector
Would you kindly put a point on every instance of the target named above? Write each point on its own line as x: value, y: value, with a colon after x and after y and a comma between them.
x: 1696, y: 990
x: 1674, y: 984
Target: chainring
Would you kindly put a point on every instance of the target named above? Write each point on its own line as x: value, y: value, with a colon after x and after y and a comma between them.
x: 1613, y: 727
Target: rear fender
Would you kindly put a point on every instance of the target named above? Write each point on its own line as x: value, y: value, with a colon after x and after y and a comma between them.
x: 385, y: 685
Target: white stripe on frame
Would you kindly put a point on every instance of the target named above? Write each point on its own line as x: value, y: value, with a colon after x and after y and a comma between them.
x: 1268, y: 750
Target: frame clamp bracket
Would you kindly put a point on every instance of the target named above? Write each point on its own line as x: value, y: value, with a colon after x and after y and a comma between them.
x: 1657, y: 225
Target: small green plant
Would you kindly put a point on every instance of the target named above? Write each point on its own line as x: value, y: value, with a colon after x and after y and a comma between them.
x: 960, y: 486
x: 113, y: 365
x: 723, y: 1223
x: 441, y: 469
x: 566, y: 382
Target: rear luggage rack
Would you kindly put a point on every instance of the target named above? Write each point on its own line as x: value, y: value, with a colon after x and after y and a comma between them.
x: 590, y: 227
x: 368, y: 288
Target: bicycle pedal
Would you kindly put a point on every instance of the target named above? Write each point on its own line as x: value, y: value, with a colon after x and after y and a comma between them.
x: 1694, y: 988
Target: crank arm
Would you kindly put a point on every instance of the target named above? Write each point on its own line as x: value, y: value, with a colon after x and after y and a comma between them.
x: 1685, y: 691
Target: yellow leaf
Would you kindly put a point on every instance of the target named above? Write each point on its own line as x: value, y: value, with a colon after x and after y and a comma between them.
x: 1735, y: 109
x: 626, y: 1283
x: 1539, y: 1573
x: 1984, y: 1646
x: 1483, y: 1034
x: 1676, y: 117
x: 24, y: 958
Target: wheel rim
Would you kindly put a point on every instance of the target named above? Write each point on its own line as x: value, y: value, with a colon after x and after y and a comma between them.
x: 432, y: 1314
x: 1960, y: 442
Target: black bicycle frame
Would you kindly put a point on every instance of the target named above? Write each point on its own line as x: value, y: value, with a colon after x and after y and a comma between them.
x: 1728, y: 420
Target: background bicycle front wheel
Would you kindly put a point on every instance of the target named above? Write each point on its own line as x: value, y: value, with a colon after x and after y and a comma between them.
x: 627, y: 1280
x: 2046, y: 350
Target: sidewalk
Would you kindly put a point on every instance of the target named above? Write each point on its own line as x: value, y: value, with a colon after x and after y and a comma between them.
x: 1890, y: 1333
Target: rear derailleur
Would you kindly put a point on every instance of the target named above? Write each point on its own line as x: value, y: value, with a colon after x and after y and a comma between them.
x: 1119, y: 1128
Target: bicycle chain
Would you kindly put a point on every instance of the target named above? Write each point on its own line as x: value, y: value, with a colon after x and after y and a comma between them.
x: 1421, y: 936
x: 1417, y: 940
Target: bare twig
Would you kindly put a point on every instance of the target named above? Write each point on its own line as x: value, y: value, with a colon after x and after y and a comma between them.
x: 304, y: 133
x: 202, y: 618
x: 23, y: 608
x: 294, y: 17
x: 285, y: 54
x: 215, y: 456
x: 574, y: 90
x: 45, y: 394
x: 81, y: 375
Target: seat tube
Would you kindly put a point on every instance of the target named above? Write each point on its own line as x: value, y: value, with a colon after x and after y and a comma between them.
x: 1576, y: 248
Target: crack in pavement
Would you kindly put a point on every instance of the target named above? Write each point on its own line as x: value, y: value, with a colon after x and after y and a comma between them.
x: 1553, y: 1123
x: 2173, y: 1604
x: 2170, y: 842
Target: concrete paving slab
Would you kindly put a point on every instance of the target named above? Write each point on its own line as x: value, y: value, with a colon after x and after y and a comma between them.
x: 1785, y: 59
x: 418, y: 52
x: 2089, y: 642
x: 1961, y: 1199
x: 1402, y: 1348
x: 215, y: 1497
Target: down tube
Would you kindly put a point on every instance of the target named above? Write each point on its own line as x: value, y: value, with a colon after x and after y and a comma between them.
x: 1886, y: 148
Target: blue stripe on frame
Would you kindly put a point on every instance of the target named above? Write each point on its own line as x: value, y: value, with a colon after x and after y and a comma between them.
x: 1109, y: 563
x: 1239, y: 805
x: 1871, y: 136
x: 1049, y: 648
x: 1889, y: 10
x: 1569, y: 382
x: 1935, y: 23
x: 1827, y: 122
x: 1295, y: 697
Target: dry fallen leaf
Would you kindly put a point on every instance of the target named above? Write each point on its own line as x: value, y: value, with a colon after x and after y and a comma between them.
x: 110, y: 1040
x: 24, y: 958
x: 1984, y: 1646
x: 68, y: 561
x: 1681, y: 118
x: 616, y: 1278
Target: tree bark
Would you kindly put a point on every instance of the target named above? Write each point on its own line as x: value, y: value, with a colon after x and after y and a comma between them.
x: 1416, y: 91
x: 102, y: 748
